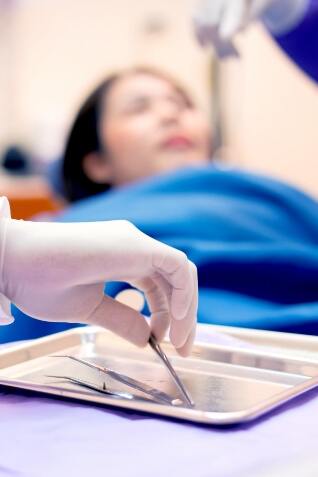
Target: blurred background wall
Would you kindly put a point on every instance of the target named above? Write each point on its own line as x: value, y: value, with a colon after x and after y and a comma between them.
x: 59, y: 49
x: 270, y: 112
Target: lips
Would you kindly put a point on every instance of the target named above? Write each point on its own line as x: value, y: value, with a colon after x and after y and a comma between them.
x: 177, y: 142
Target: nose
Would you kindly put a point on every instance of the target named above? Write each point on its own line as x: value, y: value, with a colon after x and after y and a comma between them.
x: 168, y: 112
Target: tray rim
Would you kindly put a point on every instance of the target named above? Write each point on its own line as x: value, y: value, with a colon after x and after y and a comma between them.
x: 194, y: 415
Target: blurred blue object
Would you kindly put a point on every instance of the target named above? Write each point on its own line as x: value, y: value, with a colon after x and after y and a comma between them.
x: 53, y: 174
x: 301, y: 43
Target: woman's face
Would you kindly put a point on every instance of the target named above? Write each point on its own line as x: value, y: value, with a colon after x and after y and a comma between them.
x: 147, y: 127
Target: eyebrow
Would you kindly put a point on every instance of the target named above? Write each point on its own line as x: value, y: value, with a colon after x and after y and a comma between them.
x: 140, y: 98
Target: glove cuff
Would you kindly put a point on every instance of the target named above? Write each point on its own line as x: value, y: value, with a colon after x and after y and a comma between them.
x: 5, y: 307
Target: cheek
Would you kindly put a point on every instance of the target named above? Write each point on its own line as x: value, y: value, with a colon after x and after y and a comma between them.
x: 199, y: 129
x: 128, y: 137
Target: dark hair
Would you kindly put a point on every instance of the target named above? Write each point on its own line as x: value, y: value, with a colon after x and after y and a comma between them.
x: 84, y: 139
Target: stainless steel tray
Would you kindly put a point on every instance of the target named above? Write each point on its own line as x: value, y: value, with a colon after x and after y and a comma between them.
x: 229, y: 384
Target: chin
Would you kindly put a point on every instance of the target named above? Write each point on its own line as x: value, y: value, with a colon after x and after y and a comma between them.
x: 173, y: 163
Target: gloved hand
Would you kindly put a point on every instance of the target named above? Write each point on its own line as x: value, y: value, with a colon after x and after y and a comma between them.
x: 57, y: 272
x: 218, y: 21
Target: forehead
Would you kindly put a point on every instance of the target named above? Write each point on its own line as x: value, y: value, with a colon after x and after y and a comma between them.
x: 137, y: 85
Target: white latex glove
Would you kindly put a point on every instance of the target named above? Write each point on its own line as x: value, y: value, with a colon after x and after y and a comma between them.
x: 218, y: 21
x: 57, y: 272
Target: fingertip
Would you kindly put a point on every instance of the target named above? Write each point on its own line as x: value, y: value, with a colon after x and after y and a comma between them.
x: 181, y: 298
x: 176, y: 340
x: 183, y: 352
x: 159, y: 326
x: 186, y: 349
x: 179, y: 334
x: 182, y: 333
x: 139, y: 332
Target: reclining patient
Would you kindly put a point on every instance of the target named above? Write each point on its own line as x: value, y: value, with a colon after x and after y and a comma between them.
x: 139, y: 149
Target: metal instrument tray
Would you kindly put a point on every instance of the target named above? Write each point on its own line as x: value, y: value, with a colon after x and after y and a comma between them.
x: 229, y: 384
